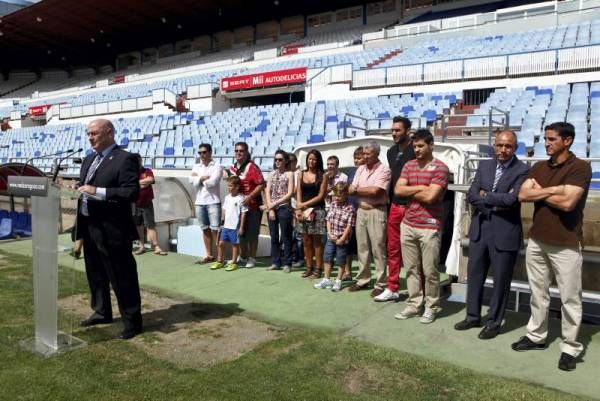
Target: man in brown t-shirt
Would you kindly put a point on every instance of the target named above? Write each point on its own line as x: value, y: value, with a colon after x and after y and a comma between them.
x: 558, y: 187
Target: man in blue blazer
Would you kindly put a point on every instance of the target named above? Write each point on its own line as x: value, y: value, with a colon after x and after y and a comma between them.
x: 496, y: 233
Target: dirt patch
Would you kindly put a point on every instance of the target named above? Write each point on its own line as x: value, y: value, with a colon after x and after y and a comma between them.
x: 188, y: 334
x: 359, y: 379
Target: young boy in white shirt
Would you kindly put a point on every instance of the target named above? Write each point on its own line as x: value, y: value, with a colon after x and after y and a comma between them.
x: 234, y: 222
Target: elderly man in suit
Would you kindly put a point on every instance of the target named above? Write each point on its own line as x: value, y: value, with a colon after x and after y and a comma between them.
x: 109, y: 185
x: 496, y: 234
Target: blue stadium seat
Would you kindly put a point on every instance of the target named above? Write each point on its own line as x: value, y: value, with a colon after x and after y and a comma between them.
x: 6, y: 231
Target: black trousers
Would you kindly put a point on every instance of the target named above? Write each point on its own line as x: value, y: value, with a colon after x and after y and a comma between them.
x: 482, y: 254
x: 112, y: 265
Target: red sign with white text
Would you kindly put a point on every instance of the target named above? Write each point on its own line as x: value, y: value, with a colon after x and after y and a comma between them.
x: 290, y: 49
x: 264, y: 79
x: 38, y: 110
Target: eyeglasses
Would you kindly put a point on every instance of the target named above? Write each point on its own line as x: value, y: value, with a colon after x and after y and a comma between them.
x: 279, y: 159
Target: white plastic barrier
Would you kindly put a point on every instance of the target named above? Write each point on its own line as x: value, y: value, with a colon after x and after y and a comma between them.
x: 199, y: 91
x: 101, y: 83
x: 170, y: 98
x: 444, y: 71
x: 158, y: 95
x: 88, y: 110
x: 341, y: 73
x: 102, y: 108
x: 114, y: 107
x: 405, y: 74
x: 265, y: 54
x: 373, y: 36
x: 64, y: 113
x: 485, y: 67
x: 367, y: 78
x: 579, y: 58
x: 15, y: 115
x: 144, y: 103
x: 76, y: 111
x: 129, y: 105
x: 531, y: 63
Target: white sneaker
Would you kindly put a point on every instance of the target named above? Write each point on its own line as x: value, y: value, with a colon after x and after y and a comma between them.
x: 242, y: 261
x: 428, y: 316
x: 324, y: 284
x: 250, y: 263
x: 386, y: 295
x: 407, y: 313
x: 299, y: 263
x: 337, y: 286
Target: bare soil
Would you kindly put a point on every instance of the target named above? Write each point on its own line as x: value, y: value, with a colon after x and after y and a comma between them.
x: 187, y: 334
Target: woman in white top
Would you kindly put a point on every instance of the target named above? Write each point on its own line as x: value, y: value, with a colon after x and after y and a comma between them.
x: 206, y: 179
x: 280, y: 188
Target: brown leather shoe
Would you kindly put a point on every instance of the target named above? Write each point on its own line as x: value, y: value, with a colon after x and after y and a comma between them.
x: 376, y: 292
x: 355, y: 287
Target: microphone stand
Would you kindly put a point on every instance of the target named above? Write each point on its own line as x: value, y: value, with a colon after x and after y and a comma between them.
x: 57, y: 166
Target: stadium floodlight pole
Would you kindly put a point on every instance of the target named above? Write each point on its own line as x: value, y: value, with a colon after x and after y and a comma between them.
x: 70, y: 153
x: 46, y: 155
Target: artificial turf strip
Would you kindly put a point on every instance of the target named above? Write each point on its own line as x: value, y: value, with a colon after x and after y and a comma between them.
x: 303, y: 364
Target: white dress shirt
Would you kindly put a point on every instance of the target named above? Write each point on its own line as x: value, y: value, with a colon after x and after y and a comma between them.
x: 207, y: 192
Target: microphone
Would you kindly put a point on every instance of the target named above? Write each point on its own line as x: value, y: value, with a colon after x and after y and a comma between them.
x: 69, y: 152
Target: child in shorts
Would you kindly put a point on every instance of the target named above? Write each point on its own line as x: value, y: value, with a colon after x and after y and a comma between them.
x: 340, y: 224
x: 234, y: 221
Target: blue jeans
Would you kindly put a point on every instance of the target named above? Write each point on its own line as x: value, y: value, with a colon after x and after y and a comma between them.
x: 209, y: 216
x: 338, y: 252
x: 283, y: 222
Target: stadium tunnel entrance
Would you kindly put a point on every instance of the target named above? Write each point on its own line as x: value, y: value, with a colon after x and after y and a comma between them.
x: 263, y: 97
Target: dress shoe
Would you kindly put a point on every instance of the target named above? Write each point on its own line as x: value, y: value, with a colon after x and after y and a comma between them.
x: 467, y: 324
x: 355, y: 287
x: 92, y: 321
x: 376, y: 292
x: 525, y: 344
x: 567, y: 362
x: 130, y: 333
x: 488, y: 333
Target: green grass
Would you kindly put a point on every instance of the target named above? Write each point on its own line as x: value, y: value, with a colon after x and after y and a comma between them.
x: 302, y: 364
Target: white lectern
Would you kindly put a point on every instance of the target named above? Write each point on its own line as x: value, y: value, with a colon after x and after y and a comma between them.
x: 45, y: 208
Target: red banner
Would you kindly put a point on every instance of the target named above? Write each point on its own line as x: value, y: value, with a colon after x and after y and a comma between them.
x: 38, y: 110
x: 119, y: 79
x: 290, y: 49
x: 264, y: 79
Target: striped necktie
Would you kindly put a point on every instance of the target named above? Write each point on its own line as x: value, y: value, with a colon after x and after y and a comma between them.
x: 499, y: 172
x: 88, y: 177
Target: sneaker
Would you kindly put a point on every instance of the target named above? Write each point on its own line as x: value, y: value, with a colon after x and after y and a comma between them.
x: 217, y: 265
x: 386, y: 295
x: 298, y: 263
x: 407, y: 313
x: 272, y: 267
x: 324, y: 284
x: 287, y: 269
x: 428, y: 316
x: 250, y: 263
x: 242, y: 261
x: 231, y: 267
x: 337, y: 286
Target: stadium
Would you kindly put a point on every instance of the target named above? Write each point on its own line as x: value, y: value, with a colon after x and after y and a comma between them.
x: 173, y: 81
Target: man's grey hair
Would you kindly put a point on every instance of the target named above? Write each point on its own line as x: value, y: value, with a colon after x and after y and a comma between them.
x: 509, y: 132
x: 106, y: 124
x: 373, y: 145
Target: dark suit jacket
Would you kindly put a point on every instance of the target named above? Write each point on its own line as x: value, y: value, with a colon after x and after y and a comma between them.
x: 118, y: 173
x: 502, y: 207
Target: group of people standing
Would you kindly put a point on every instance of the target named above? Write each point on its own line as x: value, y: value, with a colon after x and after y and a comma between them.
x: 392, y: 216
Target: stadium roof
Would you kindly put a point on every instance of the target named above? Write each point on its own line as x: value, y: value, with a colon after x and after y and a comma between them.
x: 63, y: 33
